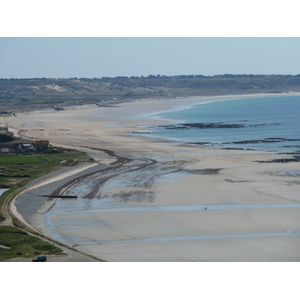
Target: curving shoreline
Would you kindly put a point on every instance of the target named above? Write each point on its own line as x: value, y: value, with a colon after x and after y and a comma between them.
x: 242, y: 180
x: 30, y: 200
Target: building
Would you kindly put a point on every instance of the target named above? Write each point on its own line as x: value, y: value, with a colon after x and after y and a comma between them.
x: 41, y: 144
x: 25, y: 146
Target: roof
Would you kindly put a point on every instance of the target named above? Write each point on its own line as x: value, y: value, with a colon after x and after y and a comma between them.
x: 41, y: 142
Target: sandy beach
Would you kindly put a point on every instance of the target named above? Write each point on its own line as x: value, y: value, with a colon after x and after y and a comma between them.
x: 157, y: 200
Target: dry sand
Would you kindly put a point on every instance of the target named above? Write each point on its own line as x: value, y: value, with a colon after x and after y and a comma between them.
x: 179, y: 218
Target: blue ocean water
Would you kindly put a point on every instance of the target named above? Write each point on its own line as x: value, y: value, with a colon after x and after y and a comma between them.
x: 269, y: 123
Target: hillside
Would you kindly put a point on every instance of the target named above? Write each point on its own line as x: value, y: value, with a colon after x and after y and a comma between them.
x: 24, y: 93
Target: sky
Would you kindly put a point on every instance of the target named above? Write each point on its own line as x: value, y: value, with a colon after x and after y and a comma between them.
x: 95, y: 57
x: 95, y: 39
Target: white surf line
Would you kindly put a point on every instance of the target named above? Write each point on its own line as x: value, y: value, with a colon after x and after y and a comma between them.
x: 200, y: 237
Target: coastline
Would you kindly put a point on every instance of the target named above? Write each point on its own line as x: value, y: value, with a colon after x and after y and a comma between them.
x: 248, y: 123
x: 241, y: 180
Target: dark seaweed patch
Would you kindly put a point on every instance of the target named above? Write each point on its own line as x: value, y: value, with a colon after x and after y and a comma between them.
x: 212, y: 125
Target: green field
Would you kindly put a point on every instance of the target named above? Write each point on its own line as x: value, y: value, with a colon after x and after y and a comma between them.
x: 21, y: 244
x: 15, y: 172
x: 15, y: 168
x: 18, y: 170
x: 20, y: 158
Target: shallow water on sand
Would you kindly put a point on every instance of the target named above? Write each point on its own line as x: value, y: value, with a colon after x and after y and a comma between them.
x: 67, y: 207
x: 266, y: 123
x: 200, y: 237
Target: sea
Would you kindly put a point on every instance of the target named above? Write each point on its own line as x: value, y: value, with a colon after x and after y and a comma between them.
x: 270, y: 123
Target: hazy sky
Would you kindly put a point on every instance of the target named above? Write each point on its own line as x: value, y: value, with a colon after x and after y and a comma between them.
x: 28, y: 57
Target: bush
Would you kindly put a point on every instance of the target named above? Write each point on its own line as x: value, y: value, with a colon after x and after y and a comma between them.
x: 4, y: 138
x: 54, y: 150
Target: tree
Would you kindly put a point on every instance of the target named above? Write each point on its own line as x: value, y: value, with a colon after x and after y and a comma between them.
x: 4, y: 138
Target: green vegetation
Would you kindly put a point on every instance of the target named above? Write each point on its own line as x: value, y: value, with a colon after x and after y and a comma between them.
x: 18, y: 243
x: 14, y: 168
x: 17, y: 170
x: 5, y: 138
x: 31, y: 93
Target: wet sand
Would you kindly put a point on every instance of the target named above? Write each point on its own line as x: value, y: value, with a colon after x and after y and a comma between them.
x: 162, y: 200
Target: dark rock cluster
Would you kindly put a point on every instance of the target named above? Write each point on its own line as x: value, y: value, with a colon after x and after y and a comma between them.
x: 212, y: 125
